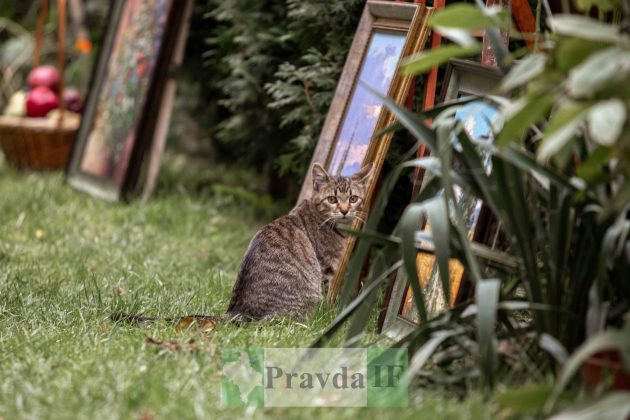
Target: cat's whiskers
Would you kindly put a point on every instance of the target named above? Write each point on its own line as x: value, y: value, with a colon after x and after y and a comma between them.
x: 356, y: 216
x: 330, y: 222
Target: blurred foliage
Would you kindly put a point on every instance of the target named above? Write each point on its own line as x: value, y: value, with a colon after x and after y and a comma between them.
x: 272, y: 67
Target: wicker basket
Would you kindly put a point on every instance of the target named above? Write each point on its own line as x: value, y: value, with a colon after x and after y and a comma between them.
x: 37, y: 143
x: 42, y: 143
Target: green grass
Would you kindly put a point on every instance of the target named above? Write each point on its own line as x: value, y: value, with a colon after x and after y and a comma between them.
x: 68, y: 260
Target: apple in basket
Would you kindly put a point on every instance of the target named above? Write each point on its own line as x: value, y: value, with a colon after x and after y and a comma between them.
x: 72, y: 99
x: 71, y: 117
x: 47, y: 76
x: 40, y: 101
x: 17, y: 105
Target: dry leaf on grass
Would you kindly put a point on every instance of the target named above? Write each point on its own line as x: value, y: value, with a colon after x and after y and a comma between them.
x: 187, y: 322
x: 102, y: 327
x: 118, y: 290
x: 190, y: 345
x: 183, y: 324
x: 146, y: 416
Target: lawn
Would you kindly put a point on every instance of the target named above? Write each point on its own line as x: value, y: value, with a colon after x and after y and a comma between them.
x: 68, y: 260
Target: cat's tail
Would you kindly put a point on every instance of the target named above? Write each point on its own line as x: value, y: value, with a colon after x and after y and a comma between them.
x: 187, y: 319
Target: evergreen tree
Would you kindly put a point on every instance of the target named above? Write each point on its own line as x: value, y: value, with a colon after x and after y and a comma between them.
x: 274, y: 65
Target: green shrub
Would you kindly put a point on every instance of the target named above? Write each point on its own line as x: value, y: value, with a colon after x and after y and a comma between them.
x: 273, y: 68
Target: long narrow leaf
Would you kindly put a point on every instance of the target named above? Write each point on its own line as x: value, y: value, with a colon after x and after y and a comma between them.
x: 444, y: 152
x: 361, y: 317
x: 498, y: 259
x: 371, y: 236
x: 425, y: 61
x: 424, y: 353
x: 614, y: 405
x: 528, y: 163
x: 521, y: 115
x: 408, y: 119
x: 514, y: 203
x: 467, y: 16
x: 437, y: 215
x: 487, y: 299
x: 608, y: 340
x: 349, y: 310
x: 428, y: 113
x: 473, y: 161
x: 410, y: 223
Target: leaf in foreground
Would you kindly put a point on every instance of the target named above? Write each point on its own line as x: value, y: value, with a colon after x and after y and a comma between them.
x: 585, y: 28
x: 425, y: 61
x: 613, y: 406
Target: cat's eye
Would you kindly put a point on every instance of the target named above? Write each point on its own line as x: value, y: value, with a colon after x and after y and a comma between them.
x: 354, y: 199
x: 332, y: 199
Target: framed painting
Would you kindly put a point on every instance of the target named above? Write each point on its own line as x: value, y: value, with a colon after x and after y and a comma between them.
x: 387, y: 32
x: 462, y: 78
x: 124, y: 100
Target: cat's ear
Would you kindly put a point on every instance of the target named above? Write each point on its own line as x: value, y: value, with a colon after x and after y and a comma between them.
x: 320, y: 176
x: 364, y: 173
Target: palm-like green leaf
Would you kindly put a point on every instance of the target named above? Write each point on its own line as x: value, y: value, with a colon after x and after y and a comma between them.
x: 487, y: 299
x: 410, y: 223
x: 608, y: 340
x: 343, y: 316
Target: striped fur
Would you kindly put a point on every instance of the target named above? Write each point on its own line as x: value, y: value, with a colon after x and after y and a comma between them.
x: 287, y: 260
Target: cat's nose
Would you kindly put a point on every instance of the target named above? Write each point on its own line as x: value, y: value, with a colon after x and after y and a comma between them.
x: 343, y: 211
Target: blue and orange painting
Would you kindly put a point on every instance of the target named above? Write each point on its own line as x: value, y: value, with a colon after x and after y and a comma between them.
x: 377, y: 71
x: 477, y: 118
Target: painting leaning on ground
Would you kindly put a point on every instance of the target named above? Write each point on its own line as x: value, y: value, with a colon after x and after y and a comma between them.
x: 133, y: 58
x: 379, y: 66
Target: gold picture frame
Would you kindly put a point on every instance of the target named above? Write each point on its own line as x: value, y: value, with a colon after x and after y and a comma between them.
x: 388, y: 31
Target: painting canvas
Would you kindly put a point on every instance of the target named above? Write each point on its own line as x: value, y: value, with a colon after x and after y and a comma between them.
x: 377, y: 71
x: 125, y: 92
x: 132, y: 62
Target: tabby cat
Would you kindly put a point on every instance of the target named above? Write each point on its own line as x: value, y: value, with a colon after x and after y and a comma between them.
x: 288, y: 259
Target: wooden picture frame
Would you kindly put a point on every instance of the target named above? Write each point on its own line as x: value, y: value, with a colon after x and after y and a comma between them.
x: 387, y: 32
x: 123, y: 106
x: 461, y: 78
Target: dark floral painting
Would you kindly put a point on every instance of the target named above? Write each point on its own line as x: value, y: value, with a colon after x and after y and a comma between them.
x: 119, y: 106
x: 377, y: 71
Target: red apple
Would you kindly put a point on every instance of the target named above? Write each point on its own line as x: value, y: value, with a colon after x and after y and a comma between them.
x: 40, y: 101
x: 72, y: 100
x: 46, y: 76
